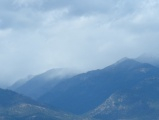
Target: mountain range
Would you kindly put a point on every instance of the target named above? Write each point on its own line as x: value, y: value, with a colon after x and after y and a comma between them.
x: 125, y: 90
x: 85, y: 92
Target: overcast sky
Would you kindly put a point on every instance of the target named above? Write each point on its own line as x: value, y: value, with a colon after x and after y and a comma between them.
x: 37, y: 35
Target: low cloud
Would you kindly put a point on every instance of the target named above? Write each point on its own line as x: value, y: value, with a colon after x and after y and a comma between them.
x: 37, y: 35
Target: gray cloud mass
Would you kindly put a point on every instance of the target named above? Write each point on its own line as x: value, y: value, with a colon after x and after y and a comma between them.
x: 37, y: 35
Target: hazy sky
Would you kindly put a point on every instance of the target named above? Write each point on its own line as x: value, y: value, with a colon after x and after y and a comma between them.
x: 37, y: 35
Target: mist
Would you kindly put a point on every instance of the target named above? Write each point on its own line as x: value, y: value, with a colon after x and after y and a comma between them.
x: 38, y: 35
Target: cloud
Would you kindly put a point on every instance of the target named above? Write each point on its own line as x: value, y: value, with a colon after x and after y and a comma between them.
x: 37, y: 35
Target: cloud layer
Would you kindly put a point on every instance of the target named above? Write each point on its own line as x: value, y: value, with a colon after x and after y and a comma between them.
x: 36, y: 35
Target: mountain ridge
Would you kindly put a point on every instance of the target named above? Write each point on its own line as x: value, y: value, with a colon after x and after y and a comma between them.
x: 115, y: 92
x: 40, y: 84
x: 87, y: 87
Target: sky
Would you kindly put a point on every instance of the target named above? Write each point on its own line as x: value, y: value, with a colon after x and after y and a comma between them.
x: 38, y: 35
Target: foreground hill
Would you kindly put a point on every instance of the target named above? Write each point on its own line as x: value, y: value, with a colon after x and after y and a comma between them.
x: 17, y: 107
x: 139, y: 102
x: 87, y: 91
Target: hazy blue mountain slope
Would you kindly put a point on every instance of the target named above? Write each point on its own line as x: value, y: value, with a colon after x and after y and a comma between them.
x: 140, y: 102
x: 40, y: 84
x: 85, y: 92
x: 20, y: 82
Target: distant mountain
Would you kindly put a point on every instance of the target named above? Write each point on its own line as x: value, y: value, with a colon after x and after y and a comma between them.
x: 126, y: 90
x: 17, y: 107
x: 145, y: 58
x: 20, y: 82
x: 40, y: 84
x: 85, y: 92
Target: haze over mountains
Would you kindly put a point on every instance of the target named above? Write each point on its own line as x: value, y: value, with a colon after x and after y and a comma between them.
x: 40, y: 84
x: 146, y: 58
x: 43, y: 37
x: 127, y: 89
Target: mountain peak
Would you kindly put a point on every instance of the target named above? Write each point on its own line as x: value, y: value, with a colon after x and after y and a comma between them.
x: 127, y: 62
x: 122, y: 60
